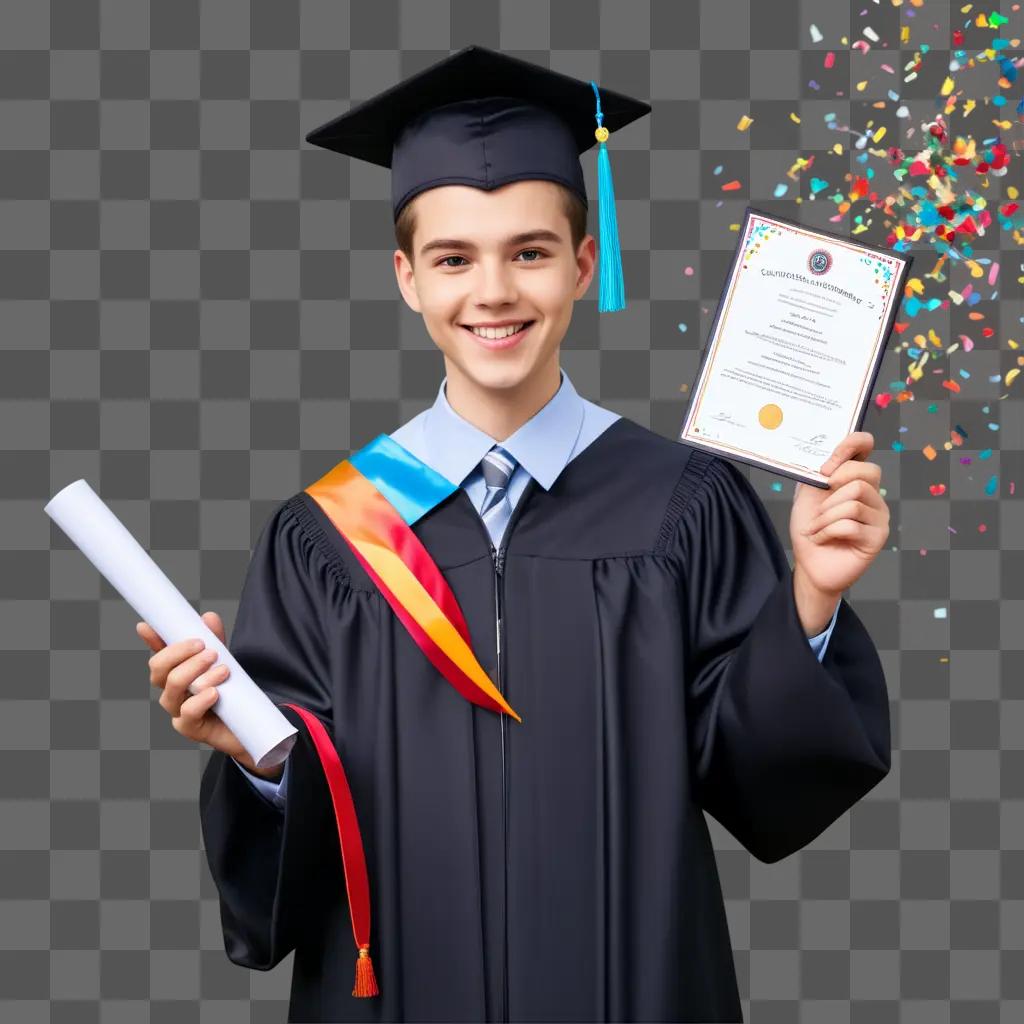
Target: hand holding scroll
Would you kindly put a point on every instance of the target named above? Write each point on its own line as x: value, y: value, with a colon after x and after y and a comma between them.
x: 177, y: 666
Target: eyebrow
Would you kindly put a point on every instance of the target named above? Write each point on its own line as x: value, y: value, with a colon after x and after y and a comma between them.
x: 538, y: 235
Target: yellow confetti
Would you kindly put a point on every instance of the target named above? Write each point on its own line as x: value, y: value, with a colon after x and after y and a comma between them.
x: 915, y: 286
x: 744, y: 123
x: 793, y: 117
x: 1011, y: 191
x: 905, y: 34
x: 861, y: 86
x: 976, y: 269
x: 1011, y: 374
x: 879, y: 135
x: 969, y: 105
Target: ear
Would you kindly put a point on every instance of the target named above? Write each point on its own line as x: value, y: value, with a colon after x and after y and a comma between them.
x: 586, y: 261
x: 406, y: 281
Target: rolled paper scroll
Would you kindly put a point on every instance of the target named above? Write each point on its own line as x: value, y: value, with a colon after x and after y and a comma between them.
x: 242, y: 706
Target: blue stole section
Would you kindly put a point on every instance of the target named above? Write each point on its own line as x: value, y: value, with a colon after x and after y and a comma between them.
x: 409, y: 484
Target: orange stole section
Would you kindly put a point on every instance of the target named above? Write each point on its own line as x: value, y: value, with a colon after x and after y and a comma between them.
x: 406, y: 575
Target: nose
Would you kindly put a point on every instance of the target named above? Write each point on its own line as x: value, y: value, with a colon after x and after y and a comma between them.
x: 495, y: 284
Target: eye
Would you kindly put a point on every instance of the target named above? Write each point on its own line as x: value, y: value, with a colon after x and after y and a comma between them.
x: 445, y: 263
x: 537, y: 251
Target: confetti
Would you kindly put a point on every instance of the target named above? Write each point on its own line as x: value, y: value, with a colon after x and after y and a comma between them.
x: 940, y: 177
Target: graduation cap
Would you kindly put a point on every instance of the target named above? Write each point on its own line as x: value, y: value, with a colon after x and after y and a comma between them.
x: 483, y: 118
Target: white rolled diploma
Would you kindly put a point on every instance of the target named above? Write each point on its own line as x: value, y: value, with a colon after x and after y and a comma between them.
x: 242, y: 706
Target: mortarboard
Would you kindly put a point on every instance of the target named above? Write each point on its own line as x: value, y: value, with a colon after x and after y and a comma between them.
x: 483, y: 118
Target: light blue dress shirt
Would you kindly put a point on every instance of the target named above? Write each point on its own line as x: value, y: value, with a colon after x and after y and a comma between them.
x: 542, y: 447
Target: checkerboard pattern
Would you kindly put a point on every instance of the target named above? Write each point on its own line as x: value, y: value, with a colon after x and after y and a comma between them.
x: 198, y: 315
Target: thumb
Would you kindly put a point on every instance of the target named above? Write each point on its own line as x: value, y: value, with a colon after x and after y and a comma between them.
x: 213, y: 620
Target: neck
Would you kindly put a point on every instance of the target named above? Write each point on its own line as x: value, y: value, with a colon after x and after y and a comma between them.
x: 500, y: 412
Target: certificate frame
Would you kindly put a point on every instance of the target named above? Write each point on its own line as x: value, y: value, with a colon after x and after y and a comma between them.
x: 904, y: 262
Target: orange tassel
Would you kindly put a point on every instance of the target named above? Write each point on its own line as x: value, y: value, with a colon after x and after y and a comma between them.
x: 366, y: 980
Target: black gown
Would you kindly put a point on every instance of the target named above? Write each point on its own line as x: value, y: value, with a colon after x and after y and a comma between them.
x: 560, y: 869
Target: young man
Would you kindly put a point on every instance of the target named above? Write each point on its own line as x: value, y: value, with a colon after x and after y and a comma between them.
x: 627, y: 595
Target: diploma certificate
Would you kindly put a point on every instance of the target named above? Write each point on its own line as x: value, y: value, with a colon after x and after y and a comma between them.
x: 795, y: 346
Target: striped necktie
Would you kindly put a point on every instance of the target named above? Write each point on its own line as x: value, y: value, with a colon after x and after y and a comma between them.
x: 497, y: 466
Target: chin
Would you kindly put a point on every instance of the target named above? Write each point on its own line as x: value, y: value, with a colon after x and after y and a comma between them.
x: 494, y: 376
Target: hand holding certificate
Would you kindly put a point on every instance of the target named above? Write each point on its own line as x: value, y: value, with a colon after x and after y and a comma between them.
x: 795, y: 346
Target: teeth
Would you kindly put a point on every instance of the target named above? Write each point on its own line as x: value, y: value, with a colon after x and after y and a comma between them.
x: 493, y: 333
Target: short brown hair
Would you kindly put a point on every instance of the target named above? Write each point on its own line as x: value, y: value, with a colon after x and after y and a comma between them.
x: 572, y: 207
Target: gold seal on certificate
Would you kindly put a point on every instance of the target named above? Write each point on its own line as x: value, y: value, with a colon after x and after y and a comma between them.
x: 795, y: 346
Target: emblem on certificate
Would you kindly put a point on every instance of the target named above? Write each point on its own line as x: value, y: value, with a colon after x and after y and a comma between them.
x: 795, y: 346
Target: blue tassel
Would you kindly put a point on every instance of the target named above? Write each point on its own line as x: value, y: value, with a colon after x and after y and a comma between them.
x: 612, y: 294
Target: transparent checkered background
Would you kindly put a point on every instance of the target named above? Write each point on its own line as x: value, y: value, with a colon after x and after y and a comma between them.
x: 198, y: 315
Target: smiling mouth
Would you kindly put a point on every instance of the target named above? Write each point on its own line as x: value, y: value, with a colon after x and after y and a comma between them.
x: 504, y: 341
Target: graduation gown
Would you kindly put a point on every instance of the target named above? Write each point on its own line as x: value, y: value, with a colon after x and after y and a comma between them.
x: 560, y: 869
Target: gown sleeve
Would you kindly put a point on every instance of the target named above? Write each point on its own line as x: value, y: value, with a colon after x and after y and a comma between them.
x: 781, y: 743
x: 267, y: 863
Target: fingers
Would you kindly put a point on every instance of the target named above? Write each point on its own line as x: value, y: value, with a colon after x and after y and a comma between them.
x: 859, y: 488
x: 864, y: 535
x: 871, y: 512
x: 149, y: 635
x: 170, y: 656
x: 857, y: 511
x: 855, y: 446
x: 189, y: 720
x: 213, y: 620
x: 853, y: 469
x: 191, y: 670
x: 156, y: 643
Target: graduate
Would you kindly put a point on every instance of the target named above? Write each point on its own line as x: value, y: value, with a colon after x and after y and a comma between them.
x: 526, y: 642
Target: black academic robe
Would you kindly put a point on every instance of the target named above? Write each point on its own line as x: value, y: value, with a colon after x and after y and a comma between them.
x: 560, y: 869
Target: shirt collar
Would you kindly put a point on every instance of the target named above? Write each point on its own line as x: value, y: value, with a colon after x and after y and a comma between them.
x: 542, y: 445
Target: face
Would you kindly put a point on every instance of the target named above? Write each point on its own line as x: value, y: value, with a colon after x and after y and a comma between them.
x: 498, y: 257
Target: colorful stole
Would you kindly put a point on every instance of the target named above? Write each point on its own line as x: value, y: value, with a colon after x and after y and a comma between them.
x: 373, y: 498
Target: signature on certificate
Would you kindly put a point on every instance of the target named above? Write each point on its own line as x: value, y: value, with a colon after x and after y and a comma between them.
x: 811, y: 446
x: 724, y: 417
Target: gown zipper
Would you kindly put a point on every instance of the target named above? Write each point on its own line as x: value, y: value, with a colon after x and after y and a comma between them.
x: 498, y: 563
x: 498, y: 557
